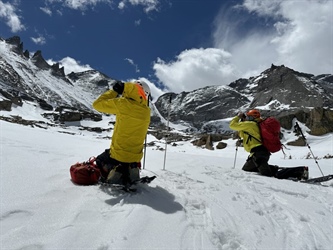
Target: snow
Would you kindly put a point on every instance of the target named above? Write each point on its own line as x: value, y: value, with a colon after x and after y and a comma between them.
x: 199, y: 202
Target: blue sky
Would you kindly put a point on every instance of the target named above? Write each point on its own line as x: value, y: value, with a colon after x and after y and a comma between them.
x: 179, y: 45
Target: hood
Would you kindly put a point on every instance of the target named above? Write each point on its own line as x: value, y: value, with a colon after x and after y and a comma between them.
x: 135, y: 92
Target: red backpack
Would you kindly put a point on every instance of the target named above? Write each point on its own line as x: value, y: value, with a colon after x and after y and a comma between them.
x: 270, y: 134
x: 85, y: 173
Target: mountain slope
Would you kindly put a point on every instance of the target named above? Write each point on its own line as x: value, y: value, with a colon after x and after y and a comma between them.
x: 28, y: 78
x: 278, y: 91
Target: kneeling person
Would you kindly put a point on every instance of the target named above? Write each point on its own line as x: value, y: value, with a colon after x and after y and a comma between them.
x: 129, y: 102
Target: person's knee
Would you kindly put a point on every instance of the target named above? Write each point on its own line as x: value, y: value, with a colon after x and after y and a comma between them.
x: 250, y: 166
x: 265, y: 170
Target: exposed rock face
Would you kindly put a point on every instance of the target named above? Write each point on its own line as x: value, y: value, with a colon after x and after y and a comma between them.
x: 9, y: 100
x: 278, y: 91
x: 6, y: 105
x: 281, y: 85
x: 320, y: 121
x: 68, y: 114
x: 57, y: 71
x: 202, y: 105
x: 39, y: 61
x: 44, y: 105
x: 18, y: 46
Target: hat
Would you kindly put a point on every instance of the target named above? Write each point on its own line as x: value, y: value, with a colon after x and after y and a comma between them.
x: 254, y: 113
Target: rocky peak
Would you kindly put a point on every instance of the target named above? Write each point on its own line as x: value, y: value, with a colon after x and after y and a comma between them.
x: 17, y: 44
x: 278, y: 91
x: 39, y: 61
x: 57, y: 71
x: 282, y: 86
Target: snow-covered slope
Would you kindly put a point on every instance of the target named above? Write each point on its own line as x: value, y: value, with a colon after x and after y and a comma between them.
x: 20, y: 76
x: 198, y: 202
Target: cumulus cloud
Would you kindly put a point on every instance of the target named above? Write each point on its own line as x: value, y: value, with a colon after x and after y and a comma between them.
x: 249, y: 37
x: 195, y: 68
x: 12, y: 19
x: 297, y: 34
x: 70, y: 65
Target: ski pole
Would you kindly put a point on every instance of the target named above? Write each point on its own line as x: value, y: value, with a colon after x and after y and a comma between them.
x: 298, y: 128
x: 144, y: 155
x: 235, y: 155
x: 166, y: 142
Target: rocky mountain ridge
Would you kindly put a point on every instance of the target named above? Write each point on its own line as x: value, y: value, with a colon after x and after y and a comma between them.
x: 278, y: 91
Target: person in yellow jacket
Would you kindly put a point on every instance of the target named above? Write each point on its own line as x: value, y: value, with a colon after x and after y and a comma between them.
x: 248, y: 129
x: 130, y: 103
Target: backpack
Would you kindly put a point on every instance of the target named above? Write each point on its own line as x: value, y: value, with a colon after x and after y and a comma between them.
x: 270, y: 134
x: 85, y: 173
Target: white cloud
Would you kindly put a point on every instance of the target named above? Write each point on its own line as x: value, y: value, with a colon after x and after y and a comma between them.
x: 39, y: 40
x: 8, y: 13
x: 70, y: 65
x: 149, y: 5
x: 298, y: 34
x: 248, y: 38
x: 137, y: 70
x: 196, y: 68
x: 46, y: 10
x: 79, y: 4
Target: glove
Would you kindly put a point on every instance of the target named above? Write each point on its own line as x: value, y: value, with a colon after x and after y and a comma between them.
x: 118, y: 86
x: 241, y: 115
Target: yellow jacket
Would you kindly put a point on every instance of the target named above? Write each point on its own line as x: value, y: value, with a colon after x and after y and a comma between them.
x: 132, y: 121
x: 244, y: 127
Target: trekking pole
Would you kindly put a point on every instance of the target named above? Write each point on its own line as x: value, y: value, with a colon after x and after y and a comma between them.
x: 298, y: 128
x: 235, y: 155
x: 166, y: 142
x: 237, y: 143
x: 144, y: 155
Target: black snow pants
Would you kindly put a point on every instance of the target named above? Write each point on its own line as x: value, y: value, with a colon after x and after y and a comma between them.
x: 258, y: 162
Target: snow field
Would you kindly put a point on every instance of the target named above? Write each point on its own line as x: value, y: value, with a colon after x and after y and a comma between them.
x: 198, y: 202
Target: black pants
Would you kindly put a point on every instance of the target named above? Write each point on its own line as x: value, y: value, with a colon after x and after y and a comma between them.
x: 105, y: 163
x: 258, y: 162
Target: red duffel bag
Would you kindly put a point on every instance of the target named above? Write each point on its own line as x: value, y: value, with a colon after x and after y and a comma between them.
x: 85, y: 173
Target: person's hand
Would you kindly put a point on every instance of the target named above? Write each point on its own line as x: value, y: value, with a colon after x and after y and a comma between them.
x: 241, y: 115
x: 118, y: 86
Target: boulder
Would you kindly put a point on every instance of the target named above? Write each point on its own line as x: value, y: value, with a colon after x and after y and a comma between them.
x: 6, y: 105
x: 221, y: 145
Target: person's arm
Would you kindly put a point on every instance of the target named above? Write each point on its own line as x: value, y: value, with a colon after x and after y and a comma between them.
x: 106, y: 102
x: 236, y: 123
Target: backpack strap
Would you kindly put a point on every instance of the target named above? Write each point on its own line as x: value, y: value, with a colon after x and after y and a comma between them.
x: 250, y: 137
